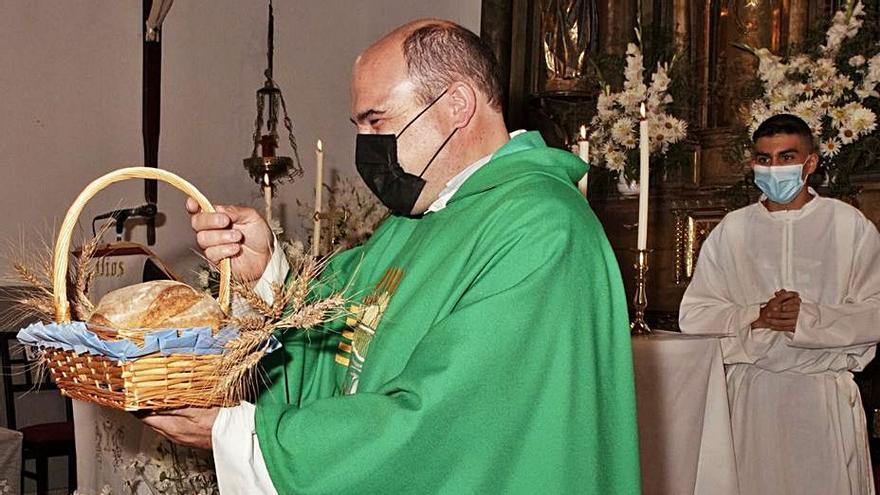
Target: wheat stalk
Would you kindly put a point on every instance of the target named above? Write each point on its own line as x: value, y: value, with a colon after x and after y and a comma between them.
x: 33, y: 270
x: 291, y: 308
x: 84, y: 275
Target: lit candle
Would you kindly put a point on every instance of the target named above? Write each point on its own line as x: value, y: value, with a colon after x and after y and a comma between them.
x: 584, y: 153
x: 319, y: 186
x: 644, y: 152
x: 267, y: 197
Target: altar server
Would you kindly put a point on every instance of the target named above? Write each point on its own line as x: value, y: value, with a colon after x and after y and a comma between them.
x: 792, y: 283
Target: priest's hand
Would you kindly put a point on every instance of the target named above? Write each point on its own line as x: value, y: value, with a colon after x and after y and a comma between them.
x: 189, y: 426
x: 780, y: 313
x: 235, y: 232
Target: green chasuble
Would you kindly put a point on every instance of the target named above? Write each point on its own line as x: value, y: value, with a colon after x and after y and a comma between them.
x: 501, y: 363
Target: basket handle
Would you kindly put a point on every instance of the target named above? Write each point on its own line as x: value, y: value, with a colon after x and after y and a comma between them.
x: 60, y: 256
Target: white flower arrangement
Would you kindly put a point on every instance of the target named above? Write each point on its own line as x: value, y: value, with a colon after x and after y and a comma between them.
x: 828, y: 94
x: 614, y: 127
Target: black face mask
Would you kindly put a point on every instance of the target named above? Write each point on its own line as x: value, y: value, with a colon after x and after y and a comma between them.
x: 376, y: 159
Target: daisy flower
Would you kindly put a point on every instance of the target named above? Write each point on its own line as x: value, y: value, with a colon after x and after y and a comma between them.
x: 829, y: 148
x: 863, y: 121
x: 847, y: 135
x: 622, y: 129
x: 615, y: 160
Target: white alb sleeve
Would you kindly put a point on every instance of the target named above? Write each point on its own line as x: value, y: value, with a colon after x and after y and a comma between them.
x: 237, y: 457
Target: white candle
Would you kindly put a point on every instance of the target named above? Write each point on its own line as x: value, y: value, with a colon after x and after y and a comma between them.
x: 319, y: 186
x: 267, y: 197
x: 644, y: 153
x: 584, y: 152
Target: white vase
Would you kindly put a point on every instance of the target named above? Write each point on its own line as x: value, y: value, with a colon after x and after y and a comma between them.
x: 627, y: 188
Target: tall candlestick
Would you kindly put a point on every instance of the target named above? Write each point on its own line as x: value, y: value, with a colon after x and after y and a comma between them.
x: 638, y: 326
x: 319, y: 186
x: 644, y: 153
x: 584, y: 153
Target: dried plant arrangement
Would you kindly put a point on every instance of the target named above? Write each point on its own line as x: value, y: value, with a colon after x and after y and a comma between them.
x: 353, y: 214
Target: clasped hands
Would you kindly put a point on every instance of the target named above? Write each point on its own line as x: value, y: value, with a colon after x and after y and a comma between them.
x: 780, y: 313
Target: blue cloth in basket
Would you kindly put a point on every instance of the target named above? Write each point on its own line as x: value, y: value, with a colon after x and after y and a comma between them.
x: 77, y: 337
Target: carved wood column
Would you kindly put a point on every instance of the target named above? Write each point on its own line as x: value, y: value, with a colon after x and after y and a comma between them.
x: 681, y: 23
x: 503, y: 25
x: 798, y: 21
x: 495, y: 27
x: 617, y: 19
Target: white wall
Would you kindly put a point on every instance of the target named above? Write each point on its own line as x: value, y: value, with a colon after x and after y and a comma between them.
x: 70, y: 101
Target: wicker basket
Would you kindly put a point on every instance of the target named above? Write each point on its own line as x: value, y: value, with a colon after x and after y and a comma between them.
x: 149, y: 382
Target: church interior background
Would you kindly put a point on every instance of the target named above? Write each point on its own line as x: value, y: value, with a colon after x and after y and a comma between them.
x: 706, y: 178
x: 558, y: 54
x: 557, y: 57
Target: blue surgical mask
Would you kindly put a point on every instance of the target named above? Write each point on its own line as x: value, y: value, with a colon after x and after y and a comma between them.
x: 781, y: 183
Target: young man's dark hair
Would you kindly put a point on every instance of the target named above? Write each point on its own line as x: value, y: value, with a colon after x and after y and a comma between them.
x: 784, y: 123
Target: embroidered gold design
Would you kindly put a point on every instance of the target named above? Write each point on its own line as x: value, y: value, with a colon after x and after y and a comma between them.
x: 343, y: 355
x: 364, y: 321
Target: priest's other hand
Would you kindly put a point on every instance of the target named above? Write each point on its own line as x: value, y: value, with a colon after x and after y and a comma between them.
x: 781, y: 312
x: 235, y: 232
x: 189, y: 426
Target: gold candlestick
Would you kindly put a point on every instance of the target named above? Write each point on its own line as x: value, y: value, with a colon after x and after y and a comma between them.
x: 640, y: 301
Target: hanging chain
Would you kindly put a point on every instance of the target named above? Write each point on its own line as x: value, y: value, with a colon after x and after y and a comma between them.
x: 270, y: 43
x: 275, y: 97
x: 272, y: 111
x: 297, y: 167
x: 258, y: 124
x: 272, y: 120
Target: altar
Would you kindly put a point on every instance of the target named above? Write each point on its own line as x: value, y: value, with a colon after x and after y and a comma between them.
x: 685, y: 439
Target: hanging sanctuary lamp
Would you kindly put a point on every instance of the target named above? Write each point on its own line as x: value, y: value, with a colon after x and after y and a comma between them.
x: 264, y: 165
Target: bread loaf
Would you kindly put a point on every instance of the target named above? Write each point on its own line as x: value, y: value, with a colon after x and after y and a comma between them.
x: 154, y: 305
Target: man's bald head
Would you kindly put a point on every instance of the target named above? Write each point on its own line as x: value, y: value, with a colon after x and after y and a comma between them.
x: 439, y: 83
x: 437, y: 53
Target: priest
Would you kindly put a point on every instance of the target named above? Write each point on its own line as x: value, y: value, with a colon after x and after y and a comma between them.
x: 491, y: 352
x: 792, y: 284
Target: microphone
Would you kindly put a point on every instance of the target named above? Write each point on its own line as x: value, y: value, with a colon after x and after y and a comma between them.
x: 119, y: 217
